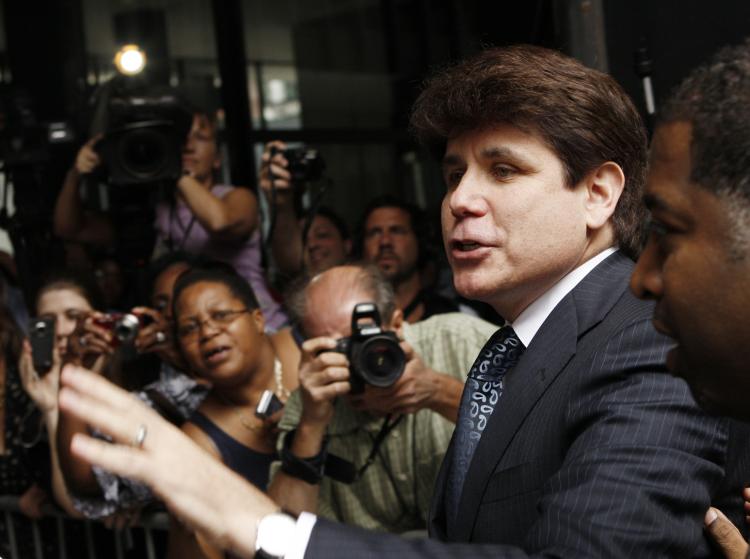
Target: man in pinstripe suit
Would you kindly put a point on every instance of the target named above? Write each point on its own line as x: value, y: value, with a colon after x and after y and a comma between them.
x: 696, y: 264
x: 591, y: 451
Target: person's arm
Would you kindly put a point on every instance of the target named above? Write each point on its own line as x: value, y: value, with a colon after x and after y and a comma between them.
x: 70, y: 221
x: 206, y: 495
x: 43, y: 392
x: 232, y: 217
x: 183, y: 542
x: 286, y: 237
x: 420, y: 387
x: 323, y: 377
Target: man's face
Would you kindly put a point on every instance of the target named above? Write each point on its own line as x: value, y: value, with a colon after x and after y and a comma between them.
x: 200, y: 155
x: 701, y: 286
x: 511, y: 226
x: 324, y: 246
x: 390, y: 243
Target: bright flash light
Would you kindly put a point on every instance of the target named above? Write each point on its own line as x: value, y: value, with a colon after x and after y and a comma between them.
x: 130, y: 60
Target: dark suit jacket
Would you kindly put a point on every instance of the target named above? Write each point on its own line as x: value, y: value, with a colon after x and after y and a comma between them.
x: 592, y: 450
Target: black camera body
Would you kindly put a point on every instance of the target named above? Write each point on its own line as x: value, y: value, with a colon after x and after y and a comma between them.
x: 144, y: 138
x: 304, y: 164
x: 375, y: 356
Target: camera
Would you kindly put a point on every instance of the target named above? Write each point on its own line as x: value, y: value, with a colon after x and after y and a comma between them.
x: 304, y: 164
x: 124, y: 326
x: 268, y: 405
x: 375, y: 356
x: 42, y: 338
x: 144, y: 137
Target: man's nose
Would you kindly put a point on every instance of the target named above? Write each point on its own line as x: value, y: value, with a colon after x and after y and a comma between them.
x: 466, y: 198
x: 646, y: 280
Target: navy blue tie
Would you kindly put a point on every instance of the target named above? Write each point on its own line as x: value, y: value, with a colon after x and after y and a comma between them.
x: 483, y: 389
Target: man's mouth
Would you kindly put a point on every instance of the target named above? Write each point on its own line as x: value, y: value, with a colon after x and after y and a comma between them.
x: 466, y: 246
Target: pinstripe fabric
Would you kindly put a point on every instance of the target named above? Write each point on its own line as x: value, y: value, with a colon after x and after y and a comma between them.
x: 597, y: 454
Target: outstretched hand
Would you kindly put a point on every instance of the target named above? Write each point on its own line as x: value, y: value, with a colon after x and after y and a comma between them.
x: 725, y: 534
x: 198, y: 489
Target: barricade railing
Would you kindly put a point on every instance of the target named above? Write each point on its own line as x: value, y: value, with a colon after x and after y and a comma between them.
x: 121, y: 539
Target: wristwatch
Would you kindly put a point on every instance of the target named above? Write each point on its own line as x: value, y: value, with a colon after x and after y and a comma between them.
x: 272, y: 539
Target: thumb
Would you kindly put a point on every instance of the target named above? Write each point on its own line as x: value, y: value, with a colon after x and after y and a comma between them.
x: 725, y: 534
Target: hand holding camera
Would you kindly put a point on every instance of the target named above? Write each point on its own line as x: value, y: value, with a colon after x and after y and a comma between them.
x: 323, y: 375
x: 41, y: 386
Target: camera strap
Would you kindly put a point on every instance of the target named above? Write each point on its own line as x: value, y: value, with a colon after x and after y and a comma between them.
x: 343, y: 470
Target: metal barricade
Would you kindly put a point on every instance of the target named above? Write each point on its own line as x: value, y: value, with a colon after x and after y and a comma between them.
x: 148, y: 522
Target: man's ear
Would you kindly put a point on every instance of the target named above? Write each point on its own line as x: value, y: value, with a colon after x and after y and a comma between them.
x: 604, y: 186
x: 397, y: 321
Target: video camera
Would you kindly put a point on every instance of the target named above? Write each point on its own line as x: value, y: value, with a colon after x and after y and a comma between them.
x: 375, y: 356
x: 143, y: 139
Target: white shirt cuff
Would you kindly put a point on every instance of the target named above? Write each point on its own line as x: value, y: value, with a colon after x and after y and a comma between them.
x: 301, y: 536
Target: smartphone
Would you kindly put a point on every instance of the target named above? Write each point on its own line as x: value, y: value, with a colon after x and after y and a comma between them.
x: 42, y: 338
x: 268, y: 404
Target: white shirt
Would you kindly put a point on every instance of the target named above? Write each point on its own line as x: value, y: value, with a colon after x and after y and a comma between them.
x: 526, y: 326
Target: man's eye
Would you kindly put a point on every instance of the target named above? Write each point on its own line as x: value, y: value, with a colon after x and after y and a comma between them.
x: 503, y: 171
x: 452, y: 178
x: 221, y: 315
x: 657, y: 229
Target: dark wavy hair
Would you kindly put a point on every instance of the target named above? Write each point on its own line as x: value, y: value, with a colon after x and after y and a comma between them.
x: 583, y: 115
x: 11, y: 336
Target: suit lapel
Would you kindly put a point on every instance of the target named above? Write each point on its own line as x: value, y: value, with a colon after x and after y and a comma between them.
x: 551, y: 349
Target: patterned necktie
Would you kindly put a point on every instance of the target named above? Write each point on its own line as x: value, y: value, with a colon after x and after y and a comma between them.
x: 483, y: 389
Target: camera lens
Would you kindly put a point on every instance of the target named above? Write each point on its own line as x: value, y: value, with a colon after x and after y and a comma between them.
x: 126, y: 328
x: 143, y: 153
x: 381, y: 361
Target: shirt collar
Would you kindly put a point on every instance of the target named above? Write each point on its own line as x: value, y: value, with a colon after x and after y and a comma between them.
x: 531, y: 319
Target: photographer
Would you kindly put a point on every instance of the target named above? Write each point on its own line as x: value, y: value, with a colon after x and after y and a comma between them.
x: 200, y: 217
x: 407, y: 447
x: 326, y: 242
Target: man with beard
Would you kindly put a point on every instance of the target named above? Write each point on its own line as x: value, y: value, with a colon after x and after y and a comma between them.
x: 394, y: 236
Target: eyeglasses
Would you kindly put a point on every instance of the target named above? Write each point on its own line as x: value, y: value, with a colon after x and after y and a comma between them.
x: 218, y: 319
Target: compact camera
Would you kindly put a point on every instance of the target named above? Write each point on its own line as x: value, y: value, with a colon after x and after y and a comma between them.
x: 42, y: 338
x: 304, y: 164
x: 124, y: 327
x: 375, y: 356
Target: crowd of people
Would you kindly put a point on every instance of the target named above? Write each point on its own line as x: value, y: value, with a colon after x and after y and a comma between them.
x: 369, y: 412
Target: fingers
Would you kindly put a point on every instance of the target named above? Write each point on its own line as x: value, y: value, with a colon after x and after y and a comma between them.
x: 275, y: 167
x: 125, y: 461
x: 105, y: 406
x: 725, y: 534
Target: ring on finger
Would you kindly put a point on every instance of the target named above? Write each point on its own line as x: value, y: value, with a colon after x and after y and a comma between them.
x: 140, y: 436
x: 160, y: 337
x: 82, y: 340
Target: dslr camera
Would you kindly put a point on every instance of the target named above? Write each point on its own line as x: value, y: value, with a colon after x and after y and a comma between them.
x: 145, y: 133
x: 375, y: 356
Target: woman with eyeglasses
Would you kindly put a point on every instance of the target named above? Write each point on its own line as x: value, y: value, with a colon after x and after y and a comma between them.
x: 221, y: 333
